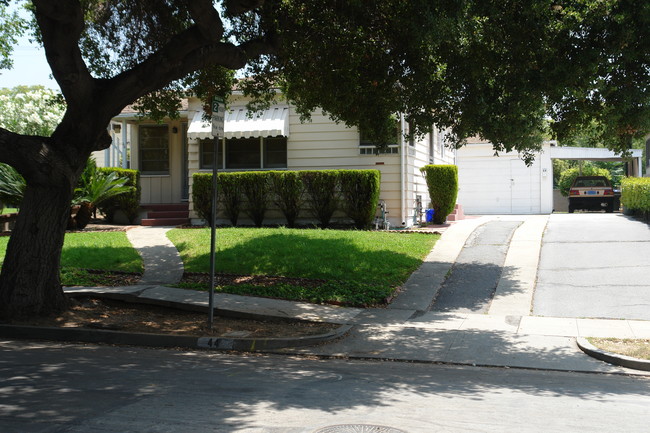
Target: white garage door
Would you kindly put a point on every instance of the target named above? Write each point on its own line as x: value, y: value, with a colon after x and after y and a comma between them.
x: 498, y: 185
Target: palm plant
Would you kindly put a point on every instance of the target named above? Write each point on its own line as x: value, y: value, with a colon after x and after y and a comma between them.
x: 94, y: 188
x: 12, y: 186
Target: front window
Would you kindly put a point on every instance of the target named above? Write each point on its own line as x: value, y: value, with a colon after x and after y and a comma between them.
x: 154, y: 149
x: 207, y: 154
x: 368, y: 147
x: 246, y: 153
x: 243, y: 153
x: 275, y: 152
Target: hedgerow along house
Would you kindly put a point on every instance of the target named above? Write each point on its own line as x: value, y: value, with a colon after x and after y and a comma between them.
x: 168, y: 154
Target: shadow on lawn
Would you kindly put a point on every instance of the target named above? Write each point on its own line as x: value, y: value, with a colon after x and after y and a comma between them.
x: 292, y: 255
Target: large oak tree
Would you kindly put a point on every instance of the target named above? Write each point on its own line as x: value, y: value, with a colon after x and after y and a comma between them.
x: 494, y: 68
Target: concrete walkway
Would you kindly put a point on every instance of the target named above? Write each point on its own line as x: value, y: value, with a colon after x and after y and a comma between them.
x: 162, y: 263
x: 407, y: 330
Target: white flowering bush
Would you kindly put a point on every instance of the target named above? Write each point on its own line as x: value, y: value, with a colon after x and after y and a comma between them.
x: 31, y: 110
x: 26, y: 110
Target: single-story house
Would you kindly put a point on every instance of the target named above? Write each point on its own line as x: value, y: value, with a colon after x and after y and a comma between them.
x: 503, y: 184
x: 168, y: 154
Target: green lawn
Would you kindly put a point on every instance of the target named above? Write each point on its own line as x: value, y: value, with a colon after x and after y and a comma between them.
x: 109, y: 251
x: 8, y: 210
x: 361, y: 267
x: 358, y: 267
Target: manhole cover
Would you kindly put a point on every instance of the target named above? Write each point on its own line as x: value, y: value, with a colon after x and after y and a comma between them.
x: 358, y: 428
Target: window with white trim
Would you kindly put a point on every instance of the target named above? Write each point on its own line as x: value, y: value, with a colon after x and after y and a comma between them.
x: 245, y: 153
x: 368, y: 147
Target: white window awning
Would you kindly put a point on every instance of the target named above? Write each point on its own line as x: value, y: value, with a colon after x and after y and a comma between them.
x: 198, y: 128
x: 238, y: 124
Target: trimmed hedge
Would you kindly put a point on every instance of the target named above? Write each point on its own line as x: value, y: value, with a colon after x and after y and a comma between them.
x: 360, y: 194
x: 322, y: 190
x: 442, y: 182
x: 202, y: 195
x: 635, y: 193
x: 255, y: 187
x: 290, y: 190
x: 129, y: 203
x: 228, y: 188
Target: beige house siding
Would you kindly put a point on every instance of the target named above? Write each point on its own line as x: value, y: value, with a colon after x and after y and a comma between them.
x: 323, y: 144
x: 165, y: 188
x: 318, y: 144
x: 417, y: 156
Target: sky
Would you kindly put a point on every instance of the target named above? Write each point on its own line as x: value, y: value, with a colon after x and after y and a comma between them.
x: 30, y: 67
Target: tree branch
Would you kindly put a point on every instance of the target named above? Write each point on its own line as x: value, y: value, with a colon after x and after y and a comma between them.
x: 207, y: 19
x: 27, y: 154
x: 238, y: 7
x: 61, y: 23
x: 157, y: 71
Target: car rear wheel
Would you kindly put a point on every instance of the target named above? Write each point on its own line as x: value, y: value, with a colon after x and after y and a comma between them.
x: 571, y: 209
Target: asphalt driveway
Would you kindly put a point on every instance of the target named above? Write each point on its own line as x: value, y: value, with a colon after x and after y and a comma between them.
x: 594, y: 265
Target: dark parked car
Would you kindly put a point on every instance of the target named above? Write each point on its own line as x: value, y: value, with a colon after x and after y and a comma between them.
x: 591, y: 193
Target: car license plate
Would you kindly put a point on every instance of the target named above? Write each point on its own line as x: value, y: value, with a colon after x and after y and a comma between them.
x: 592, y: 192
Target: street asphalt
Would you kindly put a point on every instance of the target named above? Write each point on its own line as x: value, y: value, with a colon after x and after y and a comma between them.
x: 53, y: 388
x: 506, y: 331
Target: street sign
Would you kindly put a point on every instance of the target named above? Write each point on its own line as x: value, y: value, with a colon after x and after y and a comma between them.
x: 218, y: 116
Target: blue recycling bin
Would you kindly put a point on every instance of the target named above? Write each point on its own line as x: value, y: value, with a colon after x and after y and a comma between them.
x: 429, y: 215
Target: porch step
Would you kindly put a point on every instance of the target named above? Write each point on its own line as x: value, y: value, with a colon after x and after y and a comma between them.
x: 164, y: 221
x: 457, y: 214
x: 166, y: 207
x: 166, y: 214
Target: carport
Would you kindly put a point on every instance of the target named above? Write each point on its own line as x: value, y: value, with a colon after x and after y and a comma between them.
x: 503, y: 184
x: 632, y: 166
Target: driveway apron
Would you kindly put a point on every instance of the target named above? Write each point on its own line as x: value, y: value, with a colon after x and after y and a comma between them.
x: 594, y: 265
x: 476, y: 273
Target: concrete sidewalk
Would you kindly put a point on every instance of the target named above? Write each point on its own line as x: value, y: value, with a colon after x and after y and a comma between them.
x: 507, y: 336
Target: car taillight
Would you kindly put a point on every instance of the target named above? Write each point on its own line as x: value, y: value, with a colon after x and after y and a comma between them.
x: 574, y: 192
x: 609, y: 192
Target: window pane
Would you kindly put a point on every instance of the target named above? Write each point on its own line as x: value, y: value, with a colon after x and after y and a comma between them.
x: 275, y: 152
x: 154, y: 149
x: 207, y: 153
x: 365, y: 141
x: 158, y: 167
x: 243, y: 153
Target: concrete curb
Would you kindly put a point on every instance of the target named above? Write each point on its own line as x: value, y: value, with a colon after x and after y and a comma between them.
x: 612, y: 358
x: 163, y: 340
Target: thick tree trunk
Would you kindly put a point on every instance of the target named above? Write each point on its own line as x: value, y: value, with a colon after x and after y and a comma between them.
x: 29, y: 282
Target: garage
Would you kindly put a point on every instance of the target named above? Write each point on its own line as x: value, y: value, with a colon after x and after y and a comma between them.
x: 503, y: 184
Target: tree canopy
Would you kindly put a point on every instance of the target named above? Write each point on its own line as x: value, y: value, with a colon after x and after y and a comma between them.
x: 11, y: 27
x: 498, y: 69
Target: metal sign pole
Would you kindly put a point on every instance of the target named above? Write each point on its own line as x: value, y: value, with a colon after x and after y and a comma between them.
x: 213, y: 233
x: 218, y: 112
